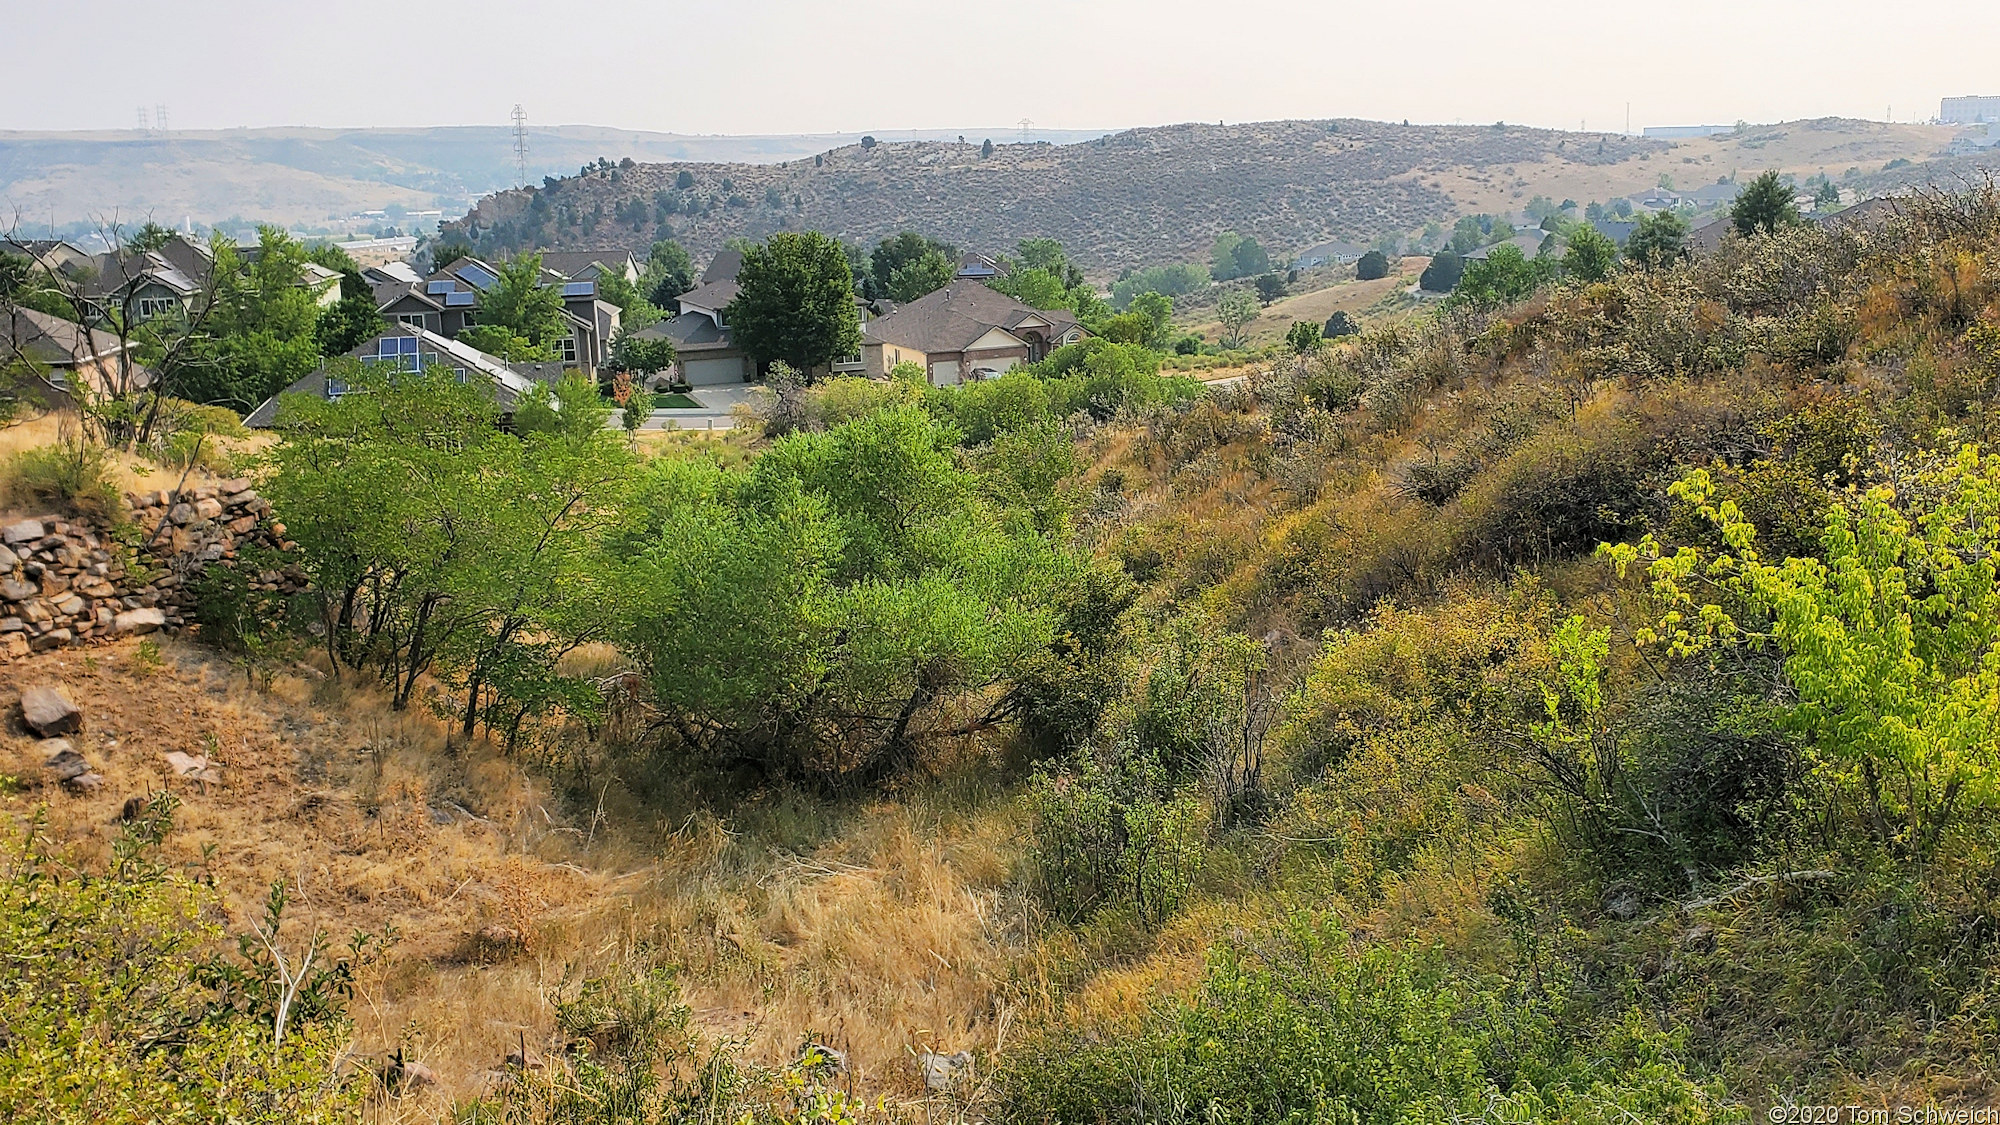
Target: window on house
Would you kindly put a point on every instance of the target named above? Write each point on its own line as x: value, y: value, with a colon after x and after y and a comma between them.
x: 398, y: 352
x: 567, y: 350
x: 150, y: 307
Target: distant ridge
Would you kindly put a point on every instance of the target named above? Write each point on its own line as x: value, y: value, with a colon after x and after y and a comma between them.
x: 303, y: 176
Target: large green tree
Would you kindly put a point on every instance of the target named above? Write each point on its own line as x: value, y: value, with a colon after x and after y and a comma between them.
x: 796, y: 302
x: 850, y: 599
x: 909, y: 265
x: 262, y: 331
x: 1766, y: 204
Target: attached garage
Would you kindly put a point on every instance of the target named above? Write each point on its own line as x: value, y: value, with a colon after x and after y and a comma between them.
x: 944, y: 373
x: 714, y: 372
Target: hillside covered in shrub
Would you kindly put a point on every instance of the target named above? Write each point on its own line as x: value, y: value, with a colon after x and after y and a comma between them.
x: 1579, y: 710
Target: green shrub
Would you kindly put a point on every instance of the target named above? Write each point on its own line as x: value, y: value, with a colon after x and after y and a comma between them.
x: 1295, y: 1026
x: 152, y: 1028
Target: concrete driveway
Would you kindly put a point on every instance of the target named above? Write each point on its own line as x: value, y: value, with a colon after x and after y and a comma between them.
x: 716, y: 412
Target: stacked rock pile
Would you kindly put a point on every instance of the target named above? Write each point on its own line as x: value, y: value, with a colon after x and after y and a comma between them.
x: 63, y: 582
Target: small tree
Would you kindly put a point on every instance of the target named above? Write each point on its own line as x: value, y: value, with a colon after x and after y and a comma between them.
x: 1591, y: 255
x: 1373, y: 266
x: 645, y: 355
x: 1235, y: 311
x: 1340, y: 324
x: 1303, y: 337
x: 1270, y: 287
x: 1659, y: 238
x: 1765, y: 205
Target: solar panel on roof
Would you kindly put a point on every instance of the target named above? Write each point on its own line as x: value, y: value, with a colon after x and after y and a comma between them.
x: 437, y: 287
x: 476, y: 277
x: 460, y: 300
x: 580, y: 289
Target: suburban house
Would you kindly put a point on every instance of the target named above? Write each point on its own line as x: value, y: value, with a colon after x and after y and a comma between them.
x: 447, y: 303
x: 963, y: 333
x: 59, y: 355
x: 405, y: 347
x: 707, y: 356
x: 589, y: 265
x: 51, y: 254
x: 1328, y: 254
x: 1617, y: 230
x: 979, y: 267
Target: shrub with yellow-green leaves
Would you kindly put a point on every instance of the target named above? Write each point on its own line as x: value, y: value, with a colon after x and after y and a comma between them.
x: 116, y: 1009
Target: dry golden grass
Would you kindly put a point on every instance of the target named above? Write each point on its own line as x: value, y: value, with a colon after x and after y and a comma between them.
x: 1803, y: 148
x: 129, y: 472
x: 1373, y: 302
x: 884, y: 927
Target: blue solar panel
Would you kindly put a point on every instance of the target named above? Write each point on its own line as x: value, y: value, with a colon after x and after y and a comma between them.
x: 476, y: 277
x: 460, y: 300
x: 580, y: 289
x: 437, y: 287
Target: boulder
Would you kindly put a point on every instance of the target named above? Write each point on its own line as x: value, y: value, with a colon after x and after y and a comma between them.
x: 8, y: 559
x: 63, y: 762
x: 182, y: 514
x: 186, y: 765
x: 26, y: 531
x: 87, y: 783
x: 48, y: 712
x: 15, y: 590
x: 940, y: 1071
x: 14, y: 645
x: 139, y: 621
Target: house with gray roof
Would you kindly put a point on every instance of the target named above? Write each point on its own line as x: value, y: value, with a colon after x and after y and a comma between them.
x: 51, y: 357
x: 447, y: 303
x: 963, y: 333
x: 588, y: 265
x: 404, y: 347
x: 1328, y: 254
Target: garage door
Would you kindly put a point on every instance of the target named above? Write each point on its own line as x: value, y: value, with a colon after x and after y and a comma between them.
x: 944, y: 374
x: 711, y: 372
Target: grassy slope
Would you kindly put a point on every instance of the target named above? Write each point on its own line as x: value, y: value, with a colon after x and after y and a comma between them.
x: 885, y: 925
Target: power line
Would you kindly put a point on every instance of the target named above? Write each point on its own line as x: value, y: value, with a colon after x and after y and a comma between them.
x: 521, y: 144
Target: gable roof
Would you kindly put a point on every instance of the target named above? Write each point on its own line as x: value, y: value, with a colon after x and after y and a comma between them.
x: 710, y: 295
x: 952, y: 318
x: 576, y: 263
x: 53, y: 341
x: 508, y: 384
x: 690, y: 332
x: 723, y: 267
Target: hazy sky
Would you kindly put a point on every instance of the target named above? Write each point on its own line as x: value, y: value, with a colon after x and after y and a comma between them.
x: 783, y: 66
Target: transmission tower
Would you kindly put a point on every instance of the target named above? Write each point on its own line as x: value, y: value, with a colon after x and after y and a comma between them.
x: 521, y: 144
x: 160, y: 117
x: 1025, y: 126
x: 145, y: 126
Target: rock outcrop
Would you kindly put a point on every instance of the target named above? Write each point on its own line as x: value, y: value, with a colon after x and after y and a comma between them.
x: 65, y: 582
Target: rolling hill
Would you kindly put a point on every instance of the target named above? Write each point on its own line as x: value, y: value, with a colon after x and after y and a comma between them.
x: 303, y: 177
x: 1160, y: 195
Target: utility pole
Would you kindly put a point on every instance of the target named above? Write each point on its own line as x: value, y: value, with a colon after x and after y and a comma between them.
x: 144, y: 125
x: 521, y: 144
x: 1628, y: 119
